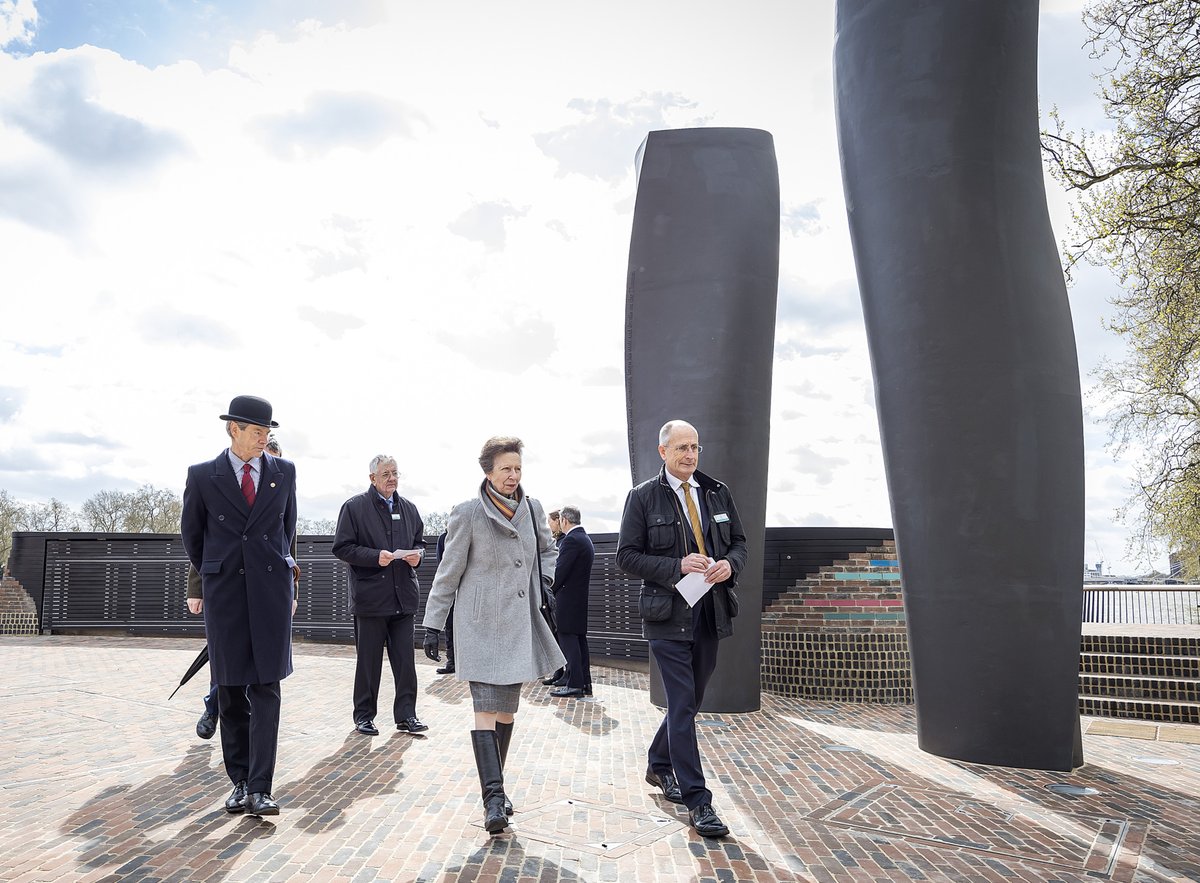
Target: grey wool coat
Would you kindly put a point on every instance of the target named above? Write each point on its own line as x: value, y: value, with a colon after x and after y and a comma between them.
x: 489, y: 573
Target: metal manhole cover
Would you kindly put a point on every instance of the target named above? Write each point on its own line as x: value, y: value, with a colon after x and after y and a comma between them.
x: 1071, y: 790
x: 1090, y: 844
x: 599, y: 829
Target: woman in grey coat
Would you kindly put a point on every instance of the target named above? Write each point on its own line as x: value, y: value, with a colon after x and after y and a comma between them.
x: 499, y: 554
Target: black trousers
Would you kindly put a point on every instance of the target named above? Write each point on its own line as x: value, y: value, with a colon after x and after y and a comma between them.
x: 371, y: 635
x: 450, y: 635
x: 579, y: 660
x: 686, y: 667
x: 250, y: 733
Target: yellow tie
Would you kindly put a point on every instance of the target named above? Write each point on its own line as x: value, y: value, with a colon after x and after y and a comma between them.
x: 694, y: 518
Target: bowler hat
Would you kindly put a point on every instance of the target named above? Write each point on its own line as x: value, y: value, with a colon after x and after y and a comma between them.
x: 250, y: 409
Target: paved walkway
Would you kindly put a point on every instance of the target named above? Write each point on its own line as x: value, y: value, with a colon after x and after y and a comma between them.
x: 103, y: 779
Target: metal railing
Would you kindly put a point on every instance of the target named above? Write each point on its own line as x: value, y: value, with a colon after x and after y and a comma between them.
x: 1142, y: 604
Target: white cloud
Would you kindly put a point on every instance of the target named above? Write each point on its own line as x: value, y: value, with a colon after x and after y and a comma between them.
x: 18, y: 21
x: 410, y: 232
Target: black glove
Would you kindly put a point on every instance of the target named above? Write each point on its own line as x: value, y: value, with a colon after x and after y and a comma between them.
x: 430, y: 643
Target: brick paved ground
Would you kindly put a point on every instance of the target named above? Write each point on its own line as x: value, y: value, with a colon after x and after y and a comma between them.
x: 102, y: 778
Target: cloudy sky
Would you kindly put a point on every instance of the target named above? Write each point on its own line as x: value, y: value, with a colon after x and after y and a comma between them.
x: 341, y: 206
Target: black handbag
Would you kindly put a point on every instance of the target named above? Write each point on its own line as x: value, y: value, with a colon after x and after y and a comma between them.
x: 548, y: 602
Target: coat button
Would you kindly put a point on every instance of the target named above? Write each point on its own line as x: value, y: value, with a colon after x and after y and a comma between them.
x: 269, y: 568
x: 242, y: 570
x: 244, y: 538
x: 520, y: 593
x: 220, y: 518
x: 264, y: 536
x: 518, y: 564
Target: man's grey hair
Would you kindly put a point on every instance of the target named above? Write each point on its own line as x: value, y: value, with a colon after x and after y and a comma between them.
x: 669, y: 427
x: 229, y: 426
x: 381, y: 460
x: 273, y: 446
x: 570, y: 514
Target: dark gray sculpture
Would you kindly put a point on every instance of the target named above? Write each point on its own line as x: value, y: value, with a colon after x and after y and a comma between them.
x: 700, y: 329
x: 976, y: 375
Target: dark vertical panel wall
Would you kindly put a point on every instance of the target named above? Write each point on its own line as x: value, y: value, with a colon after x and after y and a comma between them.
x: 975, y: 367
x: 700, y: 330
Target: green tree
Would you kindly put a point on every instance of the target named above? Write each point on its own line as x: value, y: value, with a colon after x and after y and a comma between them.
x: 1138, y: 214
x: 435, y: 523
x: 11, y: 518
x: 153, y: 510
x: 315, y: 527
x: 105, y: 511
x: 53, y: 516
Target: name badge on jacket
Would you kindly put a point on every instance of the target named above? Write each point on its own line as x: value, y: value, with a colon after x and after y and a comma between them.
x: 720, y: 518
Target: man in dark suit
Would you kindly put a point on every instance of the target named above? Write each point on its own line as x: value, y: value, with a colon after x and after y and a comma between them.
x: 683, y: 522
x: 381, y: 536
x: 206, y: 727
x: 572, y: 575
x: 238, y: 521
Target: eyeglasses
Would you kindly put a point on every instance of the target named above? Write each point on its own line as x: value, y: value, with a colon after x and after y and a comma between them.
x: 688, y: 449
x: 389, y: 474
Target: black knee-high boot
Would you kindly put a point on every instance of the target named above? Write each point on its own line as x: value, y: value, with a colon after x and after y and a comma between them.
x: 491, y: 779
x: 503, y: 737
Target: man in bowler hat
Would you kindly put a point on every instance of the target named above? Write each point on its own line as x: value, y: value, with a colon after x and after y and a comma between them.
x: 239, y: 517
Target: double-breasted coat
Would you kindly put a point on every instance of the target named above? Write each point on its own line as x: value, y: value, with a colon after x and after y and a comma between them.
x: 489, y: 574
x: 242, y: 556
x: 572, y: 575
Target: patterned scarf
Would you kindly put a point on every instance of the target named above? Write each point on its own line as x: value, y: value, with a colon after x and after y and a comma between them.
x: 507, y: 505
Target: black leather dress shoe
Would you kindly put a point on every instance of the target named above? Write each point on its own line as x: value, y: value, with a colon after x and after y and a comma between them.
x: 237, y: 800
x: 447, y: 669
x: 411, y: 725
x: 561, y: 692
x: 260, y: 804
x: 206, y: 726
x: 367, y: 728
x: 668, y: 783
x: 555, y: 680
x: 706, y: 822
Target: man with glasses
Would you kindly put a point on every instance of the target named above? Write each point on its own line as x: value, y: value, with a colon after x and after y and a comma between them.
x: 678, y: 523
x: 380, y: 535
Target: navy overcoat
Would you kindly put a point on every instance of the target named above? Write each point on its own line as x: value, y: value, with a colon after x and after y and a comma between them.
x: 572, y: 576
x: 242, y: 555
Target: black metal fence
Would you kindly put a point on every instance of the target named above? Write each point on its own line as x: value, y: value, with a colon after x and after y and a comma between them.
x: 1142, y: 604
x: 137, y: 583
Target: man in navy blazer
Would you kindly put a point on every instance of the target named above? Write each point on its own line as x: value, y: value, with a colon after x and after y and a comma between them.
x: 572, y: 575
x: 239, y: 517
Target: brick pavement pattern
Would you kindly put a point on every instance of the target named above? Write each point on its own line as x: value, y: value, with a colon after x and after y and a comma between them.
x: 103, y: 779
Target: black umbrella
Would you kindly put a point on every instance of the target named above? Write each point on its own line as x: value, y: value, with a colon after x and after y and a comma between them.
x: 198, y: 663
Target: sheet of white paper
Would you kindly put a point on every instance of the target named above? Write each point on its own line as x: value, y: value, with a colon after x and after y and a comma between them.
x: 404, y: 553
x: 693, y: 587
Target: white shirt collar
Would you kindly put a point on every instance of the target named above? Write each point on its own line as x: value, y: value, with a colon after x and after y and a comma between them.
x: 677, y: 483
x: 237, y: 462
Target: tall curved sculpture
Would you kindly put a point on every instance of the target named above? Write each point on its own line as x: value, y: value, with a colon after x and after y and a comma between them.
x: 700, y: 329
x: 976, y: 375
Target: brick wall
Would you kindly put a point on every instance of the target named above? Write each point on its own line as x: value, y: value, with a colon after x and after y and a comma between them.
x: 18, y: 614
x: 839, y: 634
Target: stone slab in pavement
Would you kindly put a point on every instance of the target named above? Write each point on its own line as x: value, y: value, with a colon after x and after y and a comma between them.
x: 104, y: 779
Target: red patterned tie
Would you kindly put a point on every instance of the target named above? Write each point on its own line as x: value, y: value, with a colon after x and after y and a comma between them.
x: 247, y: 484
